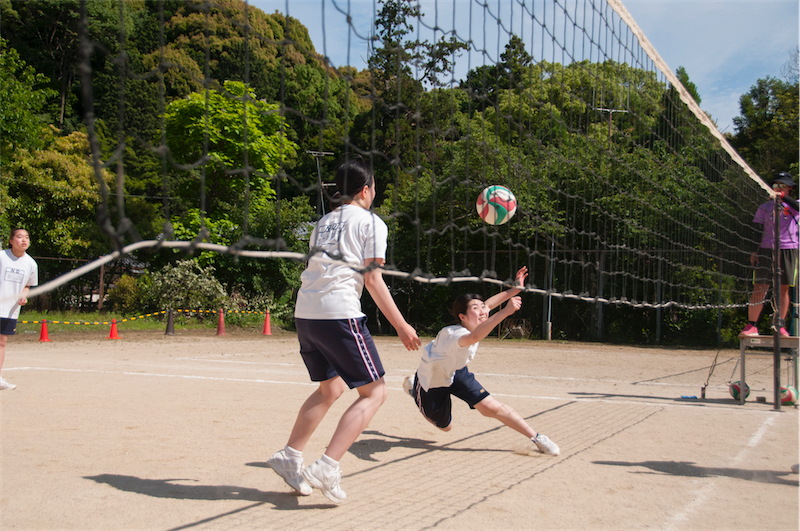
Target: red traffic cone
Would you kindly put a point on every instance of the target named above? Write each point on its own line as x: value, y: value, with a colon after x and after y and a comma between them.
x: 113, y: 334
x: 221, y: 324
x: 267, y: 325
x: 43, y: 334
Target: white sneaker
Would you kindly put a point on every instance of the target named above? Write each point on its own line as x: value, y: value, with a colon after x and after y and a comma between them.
x: 795, y: 469
x: 322, y: 476
x: 545, y: 445
x: 291, y: 471
x: 408, y: 386
x: 5, y: 385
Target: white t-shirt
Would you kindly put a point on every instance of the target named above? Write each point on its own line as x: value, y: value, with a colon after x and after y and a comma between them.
x: 442, y: 357
x: 16, y: 273
x: 332, y: 290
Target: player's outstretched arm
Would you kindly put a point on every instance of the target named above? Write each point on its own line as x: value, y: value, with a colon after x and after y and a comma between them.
x: 496, y: 300
x: 379, y: 291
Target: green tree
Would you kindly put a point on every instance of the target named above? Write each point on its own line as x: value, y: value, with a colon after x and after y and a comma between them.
x: 767, y: 131
x: 23, y: 94
x: 683, y: 77
x: 239, y: 129
x: 45, y: 32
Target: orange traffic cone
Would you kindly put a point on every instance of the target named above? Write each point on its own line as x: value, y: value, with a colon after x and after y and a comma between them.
x: 113, y: 334
x: 267, y: 326
x: 43, y: 334
x: 221, y: 324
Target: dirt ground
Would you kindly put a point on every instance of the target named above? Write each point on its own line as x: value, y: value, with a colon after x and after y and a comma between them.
x: 155, y: 432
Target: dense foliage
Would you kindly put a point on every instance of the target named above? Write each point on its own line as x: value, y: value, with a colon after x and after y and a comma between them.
x: 202, y: 119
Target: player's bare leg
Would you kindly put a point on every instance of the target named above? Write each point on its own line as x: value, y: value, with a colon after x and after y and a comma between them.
x: 757, y: 301
x: 314, y: 410
x: 355, y: 420
x: 493, y: 408
x: 490, y: 407
x: 324, y: 474
x: 4, y: 384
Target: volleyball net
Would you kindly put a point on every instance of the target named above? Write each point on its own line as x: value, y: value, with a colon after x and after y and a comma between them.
x: 228, y: 124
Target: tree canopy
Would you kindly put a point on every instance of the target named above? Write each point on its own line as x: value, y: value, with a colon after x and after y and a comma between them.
x: 204, y: 118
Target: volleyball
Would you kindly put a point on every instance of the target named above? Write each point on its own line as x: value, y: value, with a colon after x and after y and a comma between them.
x: 496, y: 205
x: 788, y: 396
x: 735, y: 389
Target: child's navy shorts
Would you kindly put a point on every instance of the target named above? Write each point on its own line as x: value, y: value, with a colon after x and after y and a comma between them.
x: 8, y: 327
x: 435, y: 403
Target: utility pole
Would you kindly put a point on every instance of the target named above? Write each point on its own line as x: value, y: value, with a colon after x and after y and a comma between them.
x: 601, y: 254
x: 610, y: 116
x: 320, y: 187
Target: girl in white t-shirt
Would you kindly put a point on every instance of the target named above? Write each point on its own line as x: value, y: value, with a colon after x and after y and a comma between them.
x: 443, y: 369
x: 335, y: 343
x: 18, y: 272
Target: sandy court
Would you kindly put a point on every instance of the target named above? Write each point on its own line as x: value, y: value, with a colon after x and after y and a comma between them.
x: 158, y: 432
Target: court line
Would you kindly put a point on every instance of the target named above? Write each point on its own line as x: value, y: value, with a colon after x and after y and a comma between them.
x: 185, y: 376
x: 700, y: 495
x: 242, y: 362
x: 499, y: 375
x: 259, y: 380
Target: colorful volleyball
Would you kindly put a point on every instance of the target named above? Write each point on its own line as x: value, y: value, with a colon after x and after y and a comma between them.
x: 736, y: 389
x: 496, y: 205
x: 788, y: 396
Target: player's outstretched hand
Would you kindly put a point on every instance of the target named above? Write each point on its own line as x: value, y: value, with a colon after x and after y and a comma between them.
x: 409, y: 337
x: 514, y: 304
x: 522, y: 274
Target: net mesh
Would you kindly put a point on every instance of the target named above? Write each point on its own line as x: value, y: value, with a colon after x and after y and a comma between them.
x: 627, y: 193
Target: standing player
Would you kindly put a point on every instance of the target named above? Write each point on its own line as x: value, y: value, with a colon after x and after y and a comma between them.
x: 762, y: 257
x: 443, y: 369
x: 18, y: 272
x: 335, y: 343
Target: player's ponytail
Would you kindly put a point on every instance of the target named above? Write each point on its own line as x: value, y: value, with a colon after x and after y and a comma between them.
x: 351, y: 177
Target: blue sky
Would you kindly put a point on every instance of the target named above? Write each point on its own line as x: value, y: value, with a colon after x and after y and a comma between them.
x: 724, y: 45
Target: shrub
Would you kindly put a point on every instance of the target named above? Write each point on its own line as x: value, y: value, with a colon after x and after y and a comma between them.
x: 188, y: 286
x: 126, y: 296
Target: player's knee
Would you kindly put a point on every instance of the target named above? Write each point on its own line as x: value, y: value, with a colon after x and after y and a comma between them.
x: 375, y: 391
x: 489, y: 407
x: 331, y: 390
x: 381, y: 392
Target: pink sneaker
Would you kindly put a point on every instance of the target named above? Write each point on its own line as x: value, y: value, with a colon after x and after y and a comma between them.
x: 784, y: 332
x: 749, y: 330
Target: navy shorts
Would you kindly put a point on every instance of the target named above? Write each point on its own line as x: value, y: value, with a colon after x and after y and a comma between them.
x: 8, y: 327
x: 339, y: 347
x: 435, y: 403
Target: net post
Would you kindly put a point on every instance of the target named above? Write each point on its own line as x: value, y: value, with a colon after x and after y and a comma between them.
x: 776, y: 296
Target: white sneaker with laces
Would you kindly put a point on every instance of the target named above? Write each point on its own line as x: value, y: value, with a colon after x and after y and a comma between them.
x: 5, y: 385
x: 408, y: 385
x: 545, y: 445
x: 326, y: 478
x: 291, y: 471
